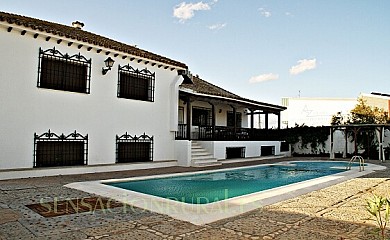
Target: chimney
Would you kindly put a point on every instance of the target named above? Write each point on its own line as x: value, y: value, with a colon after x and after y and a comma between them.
x: 77, y: 24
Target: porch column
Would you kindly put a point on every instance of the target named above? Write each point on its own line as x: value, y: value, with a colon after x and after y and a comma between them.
x: 212, y: 119
x: 331, y: 152
x: 379, y: 134
x: 234, y: 120
x: 279, y: 120
x: 189, y: 113
x: 266, y: 121
x: 346, y: 143
x: 252, y: 118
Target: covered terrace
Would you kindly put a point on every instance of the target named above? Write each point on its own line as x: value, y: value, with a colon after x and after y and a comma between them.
x: 215, y: 120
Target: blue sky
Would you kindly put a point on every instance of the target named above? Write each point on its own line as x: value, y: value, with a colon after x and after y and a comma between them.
x: 263, y: 50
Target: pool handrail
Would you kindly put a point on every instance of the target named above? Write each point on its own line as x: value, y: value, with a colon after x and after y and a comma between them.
x: 361, y: 162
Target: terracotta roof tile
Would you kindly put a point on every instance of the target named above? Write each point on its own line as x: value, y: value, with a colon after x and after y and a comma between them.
x: 204, y: 87
x: 84, y: 36
x: 201, y: 86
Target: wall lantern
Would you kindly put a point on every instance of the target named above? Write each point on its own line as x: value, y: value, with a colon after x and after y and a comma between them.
x: 109, y: 62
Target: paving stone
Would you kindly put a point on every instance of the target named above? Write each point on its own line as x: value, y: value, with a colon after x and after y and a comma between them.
x: 15, y: 186
x: 294, y: 234
x: 14, y: 230
x: 330, y: 226
x: 349, y: 215
x: 109, y: 229
x: 76, y: 235
x: 214, y: 234
x: 276, y: 215
x: 47, y: 226
x: 175, y: 227
x: 254, y: 226
x: 154, y: 219
x: 8, y: 215
x: 135, y: 234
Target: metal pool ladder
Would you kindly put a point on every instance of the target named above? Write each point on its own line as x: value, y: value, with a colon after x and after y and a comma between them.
x: 361, y: 163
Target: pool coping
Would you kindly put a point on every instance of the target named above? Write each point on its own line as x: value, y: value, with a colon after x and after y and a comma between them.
x: 200, y: 214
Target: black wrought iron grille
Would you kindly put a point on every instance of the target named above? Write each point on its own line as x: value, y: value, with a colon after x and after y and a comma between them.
x: 52, y: 150
x: 235, y: 152
x: 267, y: 150
x: 134, y: 149
x: 135, y: 84
x: 64, y: 72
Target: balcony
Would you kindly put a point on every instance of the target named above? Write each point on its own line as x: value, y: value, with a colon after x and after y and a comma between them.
x: 224, y: 133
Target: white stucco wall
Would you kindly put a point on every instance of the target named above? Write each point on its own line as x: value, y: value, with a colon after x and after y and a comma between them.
x: 252, y: 148
x: 183, y: 152
x: 26, y: 109
x: 314, y: 111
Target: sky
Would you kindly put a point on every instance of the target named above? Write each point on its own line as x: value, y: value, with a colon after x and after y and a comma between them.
x: 259, y: 49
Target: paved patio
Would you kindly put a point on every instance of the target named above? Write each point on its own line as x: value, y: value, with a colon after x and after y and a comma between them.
x: 336, y: 212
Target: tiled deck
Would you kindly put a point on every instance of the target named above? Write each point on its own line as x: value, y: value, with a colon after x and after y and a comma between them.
x: 336, y: 212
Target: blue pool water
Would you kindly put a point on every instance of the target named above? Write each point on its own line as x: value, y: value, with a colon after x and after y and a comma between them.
x: 211, y: 187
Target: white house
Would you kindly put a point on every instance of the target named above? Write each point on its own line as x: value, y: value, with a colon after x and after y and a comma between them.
x: 74, y: 98
x: 315, y: 111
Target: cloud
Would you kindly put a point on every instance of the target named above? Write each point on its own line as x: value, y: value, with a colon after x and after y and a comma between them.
x: 217, y: 26
x: 264, y: 12
x: 263, y: 78
x: 185, y: 11
x: 303, y: 65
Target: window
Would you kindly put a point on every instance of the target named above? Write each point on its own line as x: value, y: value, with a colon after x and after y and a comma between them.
x: 230, y: 119
x: 134, y: 149
x: 267, y: 150
x: 63, y: 72
x: 235, y: 152
x: 52, y: 150
x: 136, y: 84
x: 201, y: 116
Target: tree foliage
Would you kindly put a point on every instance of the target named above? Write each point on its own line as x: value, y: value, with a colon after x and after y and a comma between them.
x: 365, y: 114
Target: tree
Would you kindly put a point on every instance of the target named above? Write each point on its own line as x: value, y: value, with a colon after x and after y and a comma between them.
x: 365, y: 114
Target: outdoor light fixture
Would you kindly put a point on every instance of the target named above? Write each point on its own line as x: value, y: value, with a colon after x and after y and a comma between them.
x: 186, y: 75
x: 109, y: 62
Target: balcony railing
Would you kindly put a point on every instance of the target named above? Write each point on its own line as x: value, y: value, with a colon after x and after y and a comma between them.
x: 223, y: 133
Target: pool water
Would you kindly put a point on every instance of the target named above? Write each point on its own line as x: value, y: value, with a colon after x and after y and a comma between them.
x: 203, y: 188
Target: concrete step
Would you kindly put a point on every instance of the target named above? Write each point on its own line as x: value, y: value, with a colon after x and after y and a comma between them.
x: 200, y: 157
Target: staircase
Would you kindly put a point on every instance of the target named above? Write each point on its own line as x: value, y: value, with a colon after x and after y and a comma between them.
x: 200, y: 157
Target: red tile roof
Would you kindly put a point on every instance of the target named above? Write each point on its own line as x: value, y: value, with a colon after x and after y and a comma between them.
x: 73, y: 33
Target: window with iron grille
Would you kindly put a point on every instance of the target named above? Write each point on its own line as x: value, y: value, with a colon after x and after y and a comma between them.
x: 63, y: 72
x: 235, y: 152
x: 267, y: 150
x: 52, y: 150
x: 135, y: 84
x: 134, y: 149
x: 230, y: 119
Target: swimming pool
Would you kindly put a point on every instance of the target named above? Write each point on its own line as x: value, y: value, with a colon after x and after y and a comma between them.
x: 204, y: 188
x: 269, y: 183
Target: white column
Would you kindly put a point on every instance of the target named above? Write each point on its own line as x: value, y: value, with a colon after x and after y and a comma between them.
x: 331, y: 152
